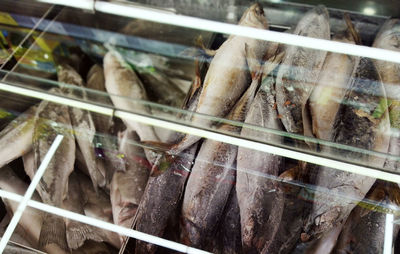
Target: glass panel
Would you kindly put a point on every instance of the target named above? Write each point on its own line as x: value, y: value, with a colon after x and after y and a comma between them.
x: 17, y: 19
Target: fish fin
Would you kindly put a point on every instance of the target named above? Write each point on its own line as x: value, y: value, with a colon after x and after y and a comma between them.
x: 195, y: 87
x: 77, y: 233
x: 252, y: 62
x: 307, y: 125
x: 53, y: 232
x: 272, y: 63
x: 351, y: 29
x: 156, y: 145
x: 394, y: 193
x: 200, y: 43
x: 290, y: 174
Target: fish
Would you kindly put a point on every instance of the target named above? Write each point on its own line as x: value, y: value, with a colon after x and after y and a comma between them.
x: 31, y: 219
x: 257, y: 193
x: 364, y: 230
x: 388, y: 38
x: 16, y: 137
x: 160, y: 89
x: 360, y: 122
x: 228, y: 75
x: 331, y: 87
x: 230, y: 227
x: 125, y: 88
x: 127, y: 187
x: 163, y: 193
x: 299, y: 71
x: 212, y: 176
x: 106, y: 146
x: 77, y: 232
x: 162, y: 197
x: 98, y: 206
x: 82, y: 122
x: 52, y: 119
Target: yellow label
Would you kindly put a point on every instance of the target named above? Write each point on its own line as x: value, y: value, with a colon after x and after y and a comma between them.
x: 6, y: 18
x: 47, y: 45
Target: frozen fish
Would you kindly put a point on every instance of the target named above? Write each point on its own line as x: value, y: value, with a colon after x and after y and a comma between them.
x: 228, y: 75
x: 300, y: 68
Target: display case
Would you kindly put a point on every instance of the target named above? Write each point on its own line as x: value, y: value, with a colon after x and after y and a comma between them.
x: 199, y: 126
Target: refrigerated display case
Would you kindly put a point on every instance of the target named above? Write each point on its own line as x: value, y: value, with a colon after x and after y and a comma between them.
x: 199, y: 126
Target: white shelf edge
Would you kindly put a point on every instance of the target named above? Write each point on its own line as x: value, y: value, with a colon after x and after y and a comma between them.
x: 102, y: 224
x: 301, y: 156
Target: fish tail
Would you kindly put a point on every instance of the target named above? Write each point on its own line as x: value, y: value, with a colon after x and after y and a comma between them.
x: 53, y: 232
x: 78, y: 233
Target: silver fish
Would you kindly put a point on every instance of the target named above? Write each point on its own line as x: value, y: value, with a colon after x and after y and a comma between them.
x: 123, y: 85
x: 82, y: 122
x: 16, y: 137
x: 162, y: 194
x: 161, y: 198
x: 127, y: 187
x: 331, y: 87
x: 107, y: 159
x: 300, y: 69
x: 228, y: 75
x: 77, y: 232
x: 258, y: 194
x: 32, y: 219
x: 52, y: 119
x: 212, y: 177
x: 360, y: 122
x: 98, y: 206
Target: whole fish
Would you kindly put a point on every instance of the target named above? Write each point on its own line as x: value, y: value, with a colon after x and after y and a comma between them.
x: 212, y: 176
x: 82, y: 123
x: 125, y: 88
x: 78, y: 232
x: 258, y: 194
x: 32, y: 219
x: 127, y: 187
x: 16, y: 137
x: 52, y: 119
x: 107, y: 159
x: 389, y: 38
x: 161, y: 198
x: 364, y: 230
x: 300, y: 68
x: 331, y: 87
x: 163, y: 193
x: 228, y: 75
x: 98, y: 206
x: 362, y: 121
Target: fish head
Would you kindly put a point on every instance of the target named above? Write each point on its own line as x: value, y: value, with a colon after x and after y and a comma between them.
x: 254, y: 16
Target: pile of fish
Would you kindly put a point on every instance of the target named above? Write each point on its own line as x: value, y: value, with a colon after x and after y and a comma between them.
x: 208, y: 194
